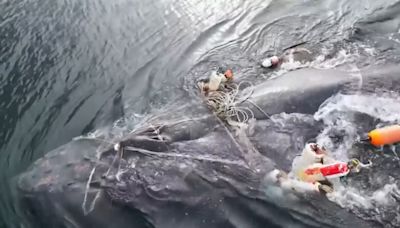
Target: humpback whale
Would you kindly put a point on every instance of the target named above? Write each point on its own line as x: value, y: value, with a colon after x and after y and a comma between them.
x: 183, y: 167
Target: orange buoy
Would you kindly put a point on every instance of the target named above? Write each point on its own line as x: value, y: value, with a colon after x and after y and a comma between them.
x: 229, y: 74
x: 385, y: 136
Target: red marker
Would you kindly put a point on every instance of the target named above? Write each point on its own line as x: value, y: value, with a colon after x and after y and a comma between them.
x: 330, y: 171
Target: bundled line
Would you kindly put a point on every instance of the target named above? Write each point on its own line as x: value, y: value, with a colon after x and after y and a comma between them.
x: 225, y: 104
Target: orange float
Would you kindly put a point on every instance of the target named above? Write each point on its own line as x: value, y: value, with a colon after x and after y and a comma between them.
x: 229, y: 74
x: 385, y: 136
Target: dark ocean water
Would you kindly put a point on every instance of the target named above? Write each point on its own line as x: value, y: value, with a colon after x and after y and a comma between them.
x: 68, y: 67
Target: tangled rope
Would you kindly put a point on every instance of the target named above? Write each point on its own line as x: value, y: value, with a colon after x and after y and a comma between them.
x: 225, y: 103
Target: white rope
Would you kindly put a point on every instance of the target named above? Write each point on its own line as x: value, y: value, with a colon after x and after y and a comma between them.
x: 93, y: 138
x: 225, y: 103
x: 201, y: 158
x: 85, y: 212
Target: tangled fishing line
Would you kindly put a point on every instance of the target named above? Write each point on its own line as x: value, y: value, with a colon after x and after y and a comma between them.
x: 225, y: 104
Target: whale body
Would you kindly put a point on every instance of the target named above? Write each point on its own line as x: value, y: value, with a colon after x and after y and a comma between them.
x: 184, y: 167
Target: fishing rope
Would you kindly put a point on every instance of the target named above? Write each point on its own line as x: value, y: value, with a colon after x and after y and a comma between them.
x: 119, y: 154
x: 225, y: 103
x: 94, y: 138
x: 176, y: 155
x: 159, y: 126
x: 85, y: 211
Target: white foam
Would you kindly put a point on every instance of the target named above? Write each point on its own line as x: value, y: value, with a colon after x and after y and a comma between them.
x: 320, y: 62
x: 382, y: 196
x: 395, y: 39
x: 337, y: 113
x: 383, y: 106
x: 349, y: 198
x: 370, y: 51
x: 341, y: 57
x: 289, y: 66
x: 353, y: 198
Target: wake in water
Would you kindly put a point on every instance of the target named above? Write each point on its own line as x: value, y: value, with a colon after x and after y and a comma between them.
x: 327, y: 58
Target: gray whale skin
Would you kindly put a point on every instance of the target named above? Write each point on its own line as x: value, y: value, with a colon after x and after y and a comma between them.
x: 220, y: 179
